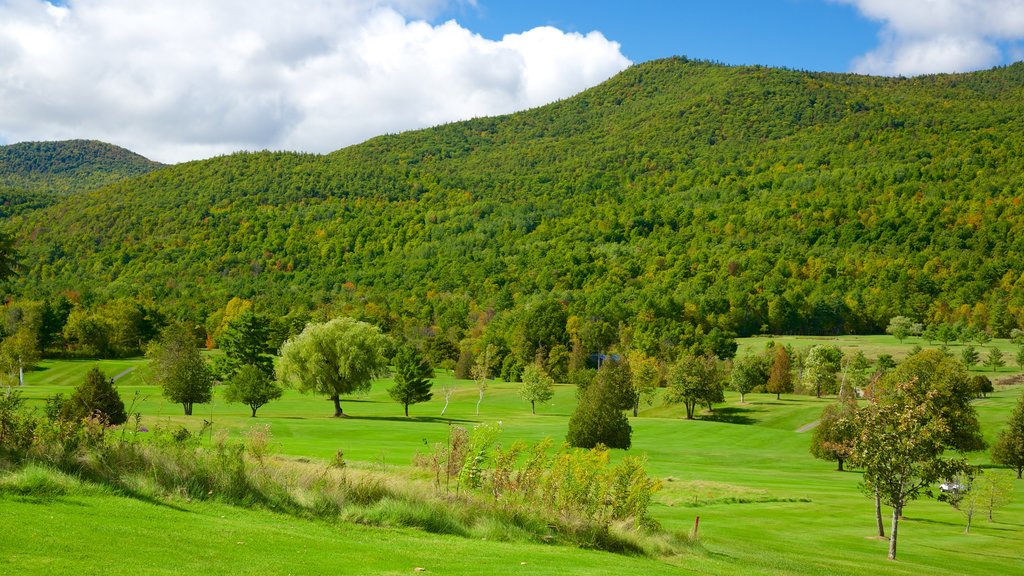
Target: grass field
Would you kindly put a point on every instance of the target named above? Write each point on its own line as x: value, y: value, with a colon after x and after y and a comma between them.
x: 765, y: 505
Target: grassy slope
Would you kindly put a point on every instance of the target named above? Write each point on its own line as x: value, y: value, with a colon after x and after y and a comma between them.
x: 766, y: 506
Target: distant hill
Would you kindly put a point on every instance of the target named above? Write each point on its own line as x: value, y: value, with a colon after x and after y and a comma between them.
x: 679, y: 195
x: 38, y: 174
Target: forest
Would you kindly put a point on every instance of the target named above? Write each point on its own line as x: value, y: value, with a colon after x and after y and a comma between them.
x: 687, y: 200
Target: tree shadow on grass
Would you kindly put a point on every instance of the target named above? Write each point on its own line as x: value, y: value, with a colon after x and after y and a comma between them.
x: 731, y: 415
x: 431, y: 419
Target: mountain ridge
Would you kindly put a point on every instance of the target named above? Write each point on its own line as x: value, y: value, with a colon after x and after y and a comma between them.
x: 38, y: 174
x: 742, y: 198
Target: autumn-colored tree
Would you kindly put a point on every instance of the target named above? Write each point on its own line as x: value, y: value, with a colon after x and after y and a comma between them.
x: 780, y: 379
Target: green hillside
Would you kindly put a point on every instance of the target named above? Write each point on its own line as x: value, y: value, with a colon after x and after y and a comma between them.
x: 38, y: 174
x: 680, y: 195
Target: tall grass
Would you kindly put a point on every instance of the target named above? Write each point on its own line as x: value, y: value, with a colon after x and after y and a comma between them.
x: 59, y: 458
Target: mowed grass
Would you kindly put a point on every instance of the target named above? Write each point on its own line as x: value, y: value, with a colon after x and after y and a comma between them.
x: 874, y: 346
x: 765, y: 505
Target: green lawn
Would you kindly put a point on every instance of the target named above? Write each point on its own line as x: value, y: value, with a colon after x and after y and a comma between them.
x: 874, y: 346
x: 765, y: 505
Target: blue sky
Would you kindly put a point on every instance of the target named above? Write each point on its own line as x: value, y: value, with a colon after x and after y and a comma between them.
x: 180, y: 80
x: 802, y: 34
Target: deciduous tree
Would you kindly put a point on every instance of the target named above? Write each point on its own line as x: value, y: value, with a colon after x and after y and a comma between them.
x: 901, y: 327
x: 942, y: 385
x: 780, y: 381
x: 334, y: 358
x: 180, y: 369
x: 695, y: 380
x: 833, y: 437
x: 900, y: 447
x: 821, y: 367
x: 537, y: 386
x: 253, y: 387
x: 645, y: 375
x: 748, y: 372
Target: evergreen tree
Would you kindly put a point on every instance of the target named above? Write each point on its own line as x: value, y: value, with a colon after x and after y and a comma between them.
x: 599, y: 416
x: 412, y: 378
x: 1009, y: 447
x: 97, y: 395
x: 246, y: 342
x: 994, y: 360
x: 969, y: 356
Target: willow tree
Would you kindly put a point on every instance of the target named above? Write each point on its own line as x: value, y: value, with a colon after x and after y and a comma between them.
x: 335, y: 358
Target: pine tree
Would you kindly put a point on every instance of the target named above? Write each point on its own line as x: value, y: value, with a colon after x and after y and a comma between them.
x: 412, y: 379
x: 995, y: 360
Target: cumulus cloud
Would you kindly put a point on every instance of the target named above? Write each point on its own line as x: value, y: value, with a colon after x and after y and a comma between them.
x: 184, y: 79
x: 930, y: 36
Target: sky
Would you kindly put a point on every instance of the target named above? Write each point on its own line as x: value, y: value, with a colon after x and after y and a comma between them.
x: 178, y: 80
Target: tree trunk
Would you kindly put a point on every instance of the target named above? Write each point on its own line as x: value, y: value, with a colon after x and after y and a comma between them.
x: 878, y: 514
x: 893, y: 531
x: 690, y: 406
x: 254, y: 408
x: 188, y: 408
x: 1019, y: 468
x: 778, y: 395
x: 445, y: 405
x: 337, y: 406
x: 840, y: 468
x: 478, y: 401
x: 741, y: 398
x: 970, y: 516
x: 406, y: 410
x: 636, y: 407
x: 533, y: 409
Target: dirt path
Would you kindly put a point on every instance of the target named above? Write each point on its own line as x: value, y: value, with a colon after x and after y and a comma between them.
x: 807, y: 427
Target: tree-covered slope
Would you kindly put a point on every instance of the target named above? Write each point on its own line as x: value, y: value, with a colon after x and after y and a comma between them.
x: 38, y: 174
x: 746, y: 198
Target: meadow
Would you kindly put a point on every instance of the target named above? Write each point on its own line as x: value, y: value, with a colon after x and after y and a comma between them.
x: 765, y: 505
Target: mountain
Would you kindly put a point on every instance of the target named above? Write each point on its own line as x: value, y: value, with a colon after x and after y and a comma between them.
x: 38, y: 174
x: 678, y: 195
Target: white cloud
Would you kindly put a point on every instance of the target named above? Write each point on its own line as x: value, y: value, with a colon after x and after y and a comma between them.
x: 183, y: 79
x: 928, y: 36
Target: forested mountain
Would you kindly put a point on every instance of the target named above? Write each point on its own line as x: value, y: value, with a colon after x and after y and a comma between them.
x: 677, y: 196
x: 38, y: 174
